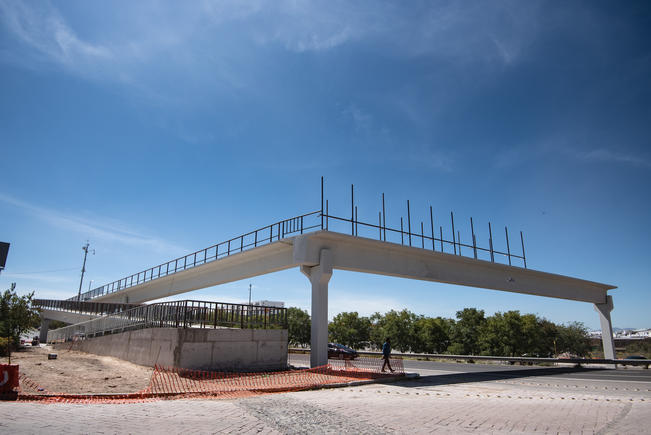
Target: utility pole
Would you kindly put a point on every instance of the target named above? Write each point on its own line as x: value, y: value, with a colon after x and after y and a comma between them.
x: 249, y: 294
x: 83, y: 267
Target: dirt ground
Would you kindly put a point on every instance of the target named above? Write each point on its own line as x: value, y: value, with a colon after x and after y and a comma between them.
x: 79, y: 372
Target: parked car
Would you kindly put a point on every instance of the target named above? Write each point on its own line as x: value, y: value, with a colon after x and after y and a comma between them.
x: 634, y: 357
x: 35, y: 341
x: 339, y: 351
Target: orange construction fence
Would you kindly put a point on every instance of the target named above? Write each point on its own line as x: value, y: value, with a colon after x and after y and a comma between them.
x: 172, y: 382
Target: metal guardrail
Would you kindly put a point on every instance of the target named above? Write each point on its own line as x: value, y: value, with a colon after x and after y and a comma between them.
x: 177, y: 314
x: 244, y: 242
x: 95, y: 308
x: 514, y: 359
x: 431, y: 241
x: 320, y: 219
x: 412, y: 237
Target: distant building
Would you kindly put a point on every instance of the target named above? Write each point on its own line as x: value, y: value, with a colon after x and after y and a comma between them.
x: 642, y: 333
x: 275, y: 304
x: 623, y: 333
x: 630, y: 334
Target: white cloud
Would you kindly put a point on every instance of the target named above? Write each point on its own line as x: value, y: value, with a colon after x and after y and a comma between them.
x: 360, y: 118
x: 431, y: 158
x: 95, y: 228
x: 230, y: 10
x: 503, y: 51
x: 47, y: 32
x: 468, y: 31
x: 170, y: 55
x: 605, y: 155
x: 38, y: 277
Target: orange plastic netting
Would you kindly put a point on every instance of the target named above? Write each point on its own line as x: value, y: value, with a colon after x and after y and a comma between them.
x: 172, y: 382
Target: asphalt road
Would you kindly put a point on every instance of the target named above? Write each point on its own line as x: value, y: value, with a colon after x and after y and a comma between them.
x: 452, y: 372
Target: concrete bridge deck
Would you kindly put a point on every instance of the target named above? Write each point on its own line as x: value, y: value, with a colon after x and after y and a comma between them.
x: 318, y: 253
x: 368, y: 256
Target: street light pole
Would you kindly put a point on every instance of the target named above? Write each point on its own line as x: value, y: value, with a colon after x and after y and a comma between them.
x: 249, y: 294
x: 83, y: 267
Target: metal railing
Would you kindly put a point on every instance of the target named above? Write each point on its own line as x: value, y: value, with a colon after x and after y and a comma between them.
x: 177, y: 314
x: 321, y: 220
x: 261, y: 236
x: 425, y: 241
x: 94, y: 308
x: 509, y: 359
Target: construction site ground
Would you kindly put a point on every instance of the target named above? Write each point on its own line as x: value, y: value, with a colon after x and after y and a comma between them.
x: 75, y: 372
x: 450, y: 398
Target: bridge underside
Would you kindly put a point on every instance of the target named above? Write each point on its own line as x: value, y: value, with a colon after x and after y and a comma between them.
x: 61, y: 316
x: 319, y: 253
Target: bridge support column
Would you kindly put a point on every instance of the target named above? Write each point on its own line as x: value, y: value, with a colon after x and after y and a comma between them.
x: 606, y: 327
x: 45, y: 327
x: 319, y: 277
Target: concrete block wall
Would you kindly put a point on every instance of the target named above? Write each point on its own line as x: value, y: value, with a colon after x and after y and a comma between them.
x: 205, y: 349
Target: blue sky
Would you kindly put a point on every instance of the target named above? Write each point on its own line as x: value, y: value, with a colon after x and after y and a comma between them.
x: 154, y: 129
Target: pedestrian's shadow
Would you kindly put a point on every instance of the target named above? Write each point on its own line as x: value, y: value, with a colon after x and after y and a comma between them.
x: 488, y: 376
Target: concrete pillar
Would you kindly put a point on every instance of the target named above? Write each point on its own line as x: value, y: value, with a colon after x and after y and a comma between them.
x: 319, y: 277
x: 45, y: 327
x: 606, y: 327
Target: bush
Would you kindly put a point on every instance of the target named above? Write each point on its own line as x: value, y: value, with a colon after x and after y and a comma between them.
x: 639, y: 348
x: 3, y: 346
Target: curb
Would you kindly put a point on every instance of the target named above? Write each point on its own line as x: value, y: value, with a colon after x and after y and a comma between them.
x: 387, y: 380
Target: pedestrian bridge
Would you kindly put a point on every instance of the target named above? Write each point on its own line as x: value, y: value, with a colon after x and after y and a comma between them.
x: 308, y: 243
x: 319, y: 253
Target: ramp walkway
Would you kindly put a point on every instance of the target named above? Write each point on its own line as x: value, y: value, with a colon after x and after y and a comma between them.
x: 116, y: 318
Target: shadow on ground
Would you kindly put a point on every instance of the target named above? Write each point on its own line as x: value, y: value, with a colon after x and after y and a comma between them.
x: 487, y: 376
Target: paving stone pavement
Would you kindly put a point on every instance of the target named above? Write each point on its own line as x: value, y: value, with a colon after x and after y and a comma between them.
x: 405, y: 407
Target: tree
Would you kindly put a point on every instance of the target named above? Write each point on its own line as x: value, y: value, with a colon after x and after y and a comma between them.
x: 17, y: 316
x: 501, y: 335
x: 396, y: 325
x: 376, y: 333
x: 299, y: 326
x: 350, y: 329
x: 539, y: 334
x: 642, y: 347
x: 431, y: 335
x: 465, y: 332
x: 573, y: 338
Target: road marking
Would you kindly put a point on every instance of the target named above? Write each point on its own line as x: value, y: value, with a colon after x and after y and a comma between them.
x: 443, y: 372
x: 599, y: 380
x: 576, y: 379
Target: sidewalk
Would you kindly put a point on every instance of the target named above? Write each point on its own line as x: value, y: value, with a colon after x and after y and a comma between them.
x: 407, y: 406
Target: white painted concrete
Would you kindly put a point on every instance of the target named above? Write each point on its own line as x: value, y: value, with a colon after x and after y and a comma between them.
x: 258, y: 261
x: 214, y: 349
x: 606, y: 327
x: 368, y: 256
x: 45, y: 326
x: 319, y: 277
x: 373, y: 256
x: 66, y: 316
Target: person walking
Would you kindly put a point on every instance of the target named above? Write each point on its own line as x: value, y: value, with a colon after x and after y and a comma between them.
x: 386, y: 354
